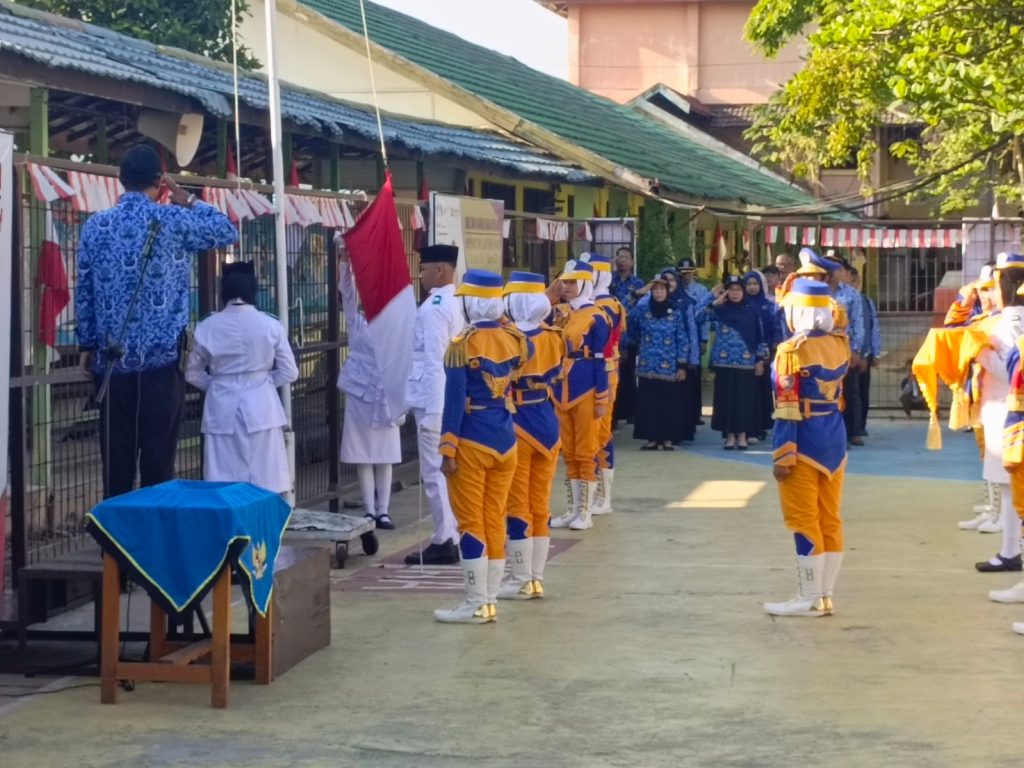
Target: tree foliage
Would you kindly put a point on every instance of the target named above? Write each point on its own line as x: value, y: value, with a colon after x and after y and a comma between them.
x: 200, y: 26
x: 951, y: 71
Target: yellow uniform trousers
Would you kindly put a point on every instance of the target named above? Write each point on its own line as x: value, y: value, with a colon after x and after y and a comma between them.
x: 604, y: 428
x: 579, y: 427
x: 478, y: 492
x: 1017, y: 489
x: 529, y: 499
x: 810, y: 502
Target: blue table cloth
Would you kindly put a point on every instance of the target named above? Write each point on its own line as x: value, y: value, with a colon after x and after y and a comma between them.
x: 176, y: 537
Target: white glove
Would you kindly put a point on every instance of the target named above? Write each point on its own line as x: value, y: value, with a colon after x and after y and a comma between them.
x: 399, y: 422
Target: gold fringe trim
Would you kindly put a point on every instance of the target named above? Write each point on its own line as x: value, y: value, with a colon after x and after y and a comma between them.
x: 934, y: 442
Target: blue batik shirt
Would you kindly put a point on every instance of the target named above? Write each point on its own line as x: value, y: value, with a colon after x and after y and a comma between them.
x: 849, y: 297
x: 623, y: 289
x: 702, y: 299
x: 109, y: 259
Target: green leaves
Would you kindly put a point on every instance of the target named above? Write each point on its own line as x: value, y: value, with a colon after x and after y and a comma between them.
x: 952, y: 69
x: 200, y: 26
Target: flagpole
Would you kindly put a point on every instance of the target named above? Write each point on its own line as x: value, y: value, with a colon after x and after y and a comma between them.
x: 280, y: 237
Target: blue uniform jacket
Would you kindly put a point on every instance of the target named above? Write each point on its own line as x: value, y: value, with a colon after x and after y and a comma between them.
x: 479, y: 367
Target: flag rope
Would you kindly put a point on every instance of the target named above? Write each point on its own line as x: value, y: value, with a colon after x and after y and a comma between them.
x: 373, y: 85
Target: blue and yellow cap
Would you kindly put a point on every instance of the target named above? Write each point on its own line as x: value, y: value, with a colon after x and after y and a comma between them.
x: 577, y: 270
x: 597, y: 261
x: 525, y: 282
x: 808, y: 293
x: 481, y: 284
x: 813, y: 264
x: 1009, y: 261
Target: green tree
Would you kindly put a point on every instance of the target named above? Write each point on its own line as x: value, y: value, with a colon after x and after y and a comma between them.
x: 951, y: 72
x: 199, y: 26
x: 654, y: 243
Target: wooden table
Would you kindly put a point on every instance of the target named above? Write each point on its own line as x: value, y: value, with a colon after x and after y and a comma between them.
x: 175, y: 662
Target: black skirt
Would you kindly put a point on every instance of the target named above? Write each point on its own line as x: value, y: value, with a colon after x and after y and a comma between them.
x: 659, y: 413
x: 737, y: 402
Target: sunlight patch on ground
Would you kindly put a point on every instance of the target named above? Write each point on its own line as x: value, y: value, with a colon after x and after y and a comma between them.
x: 719, y: 494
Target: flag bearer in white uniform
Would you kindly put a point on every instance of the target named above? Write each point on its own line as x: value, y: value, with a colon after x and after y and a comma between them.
x: 370, y: 437
x: 240, y: 357
x: 438, y: 320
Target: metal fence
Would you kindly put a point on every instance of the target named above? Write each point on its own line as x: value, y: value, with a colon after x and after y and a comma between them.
x: 54, y: 432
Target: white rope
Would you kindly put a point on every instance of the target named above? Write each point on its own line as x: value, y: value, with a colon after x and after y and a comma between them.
x: 238, y: 121
x: 373, y: 85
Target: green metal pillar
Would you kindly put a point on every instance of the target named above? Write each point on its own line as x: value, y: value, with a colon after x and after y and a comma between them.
x: 41, y: 410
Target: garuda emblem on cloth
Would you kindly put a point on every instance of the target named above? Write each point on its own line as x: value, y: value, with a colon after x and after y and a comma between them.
x: 259, y: 559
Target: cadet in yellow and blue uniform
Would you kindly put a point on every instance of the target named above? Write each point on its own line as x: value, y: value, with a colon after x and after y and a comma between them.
x: 537, y: 437
x: 478, y: 440
x: 582, y: 396
x: 601, y: 504
x: 809, y: 441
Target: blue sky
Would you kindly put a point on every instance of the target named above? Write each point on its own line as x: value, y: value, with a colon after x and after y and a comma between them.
x: 519, y: 28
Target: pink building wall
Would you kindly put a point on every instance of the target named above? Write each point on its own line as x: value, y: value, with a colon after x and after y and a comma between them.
x: 619, y: 49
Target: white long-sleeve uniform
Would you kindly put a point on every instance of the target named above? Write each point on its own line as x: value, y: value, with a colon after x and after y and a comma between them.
x: 438, y: 320
x: 240, y: 357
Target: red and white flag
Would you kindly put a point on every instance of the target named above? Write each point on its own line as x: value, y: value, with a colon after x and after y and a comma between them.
x: 52, y: 279
x: 719, y: 251
x: 382, y: 278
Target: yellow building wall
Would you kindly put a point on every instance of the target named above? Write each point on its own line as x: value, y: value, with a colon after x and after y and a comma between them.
x: 311, y: 57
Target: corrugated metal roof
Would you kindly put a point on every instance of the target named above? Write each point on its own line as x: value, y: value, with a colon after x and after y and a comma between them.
x: 65, y: 44
x: 606, y: 129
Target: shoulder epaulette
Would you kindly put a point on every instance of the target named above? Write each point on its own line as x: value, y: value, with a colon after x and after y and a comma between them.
x: 787, y: 361
x: 524, y: 344
x: 455, y: 357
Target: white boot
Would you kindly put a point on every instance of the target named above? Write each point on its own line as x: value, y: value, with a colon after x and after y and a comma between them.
x: 1014, y: 594
x: 833, y: 562
x: 583, y: 520
x: 519, y: 584
x: 474, y: 609
x: 575, y: 494
x: 809, y: 602
x: 495, y: 573
x: 1018, y: 627
x: 602, y: 504
x: 541, y: 545
x: 994, y: 524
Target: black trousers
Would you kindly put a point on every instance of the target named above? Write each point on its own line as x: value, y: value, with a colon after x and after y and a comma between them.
x: 852, y: 414
x: 139, y: 423
x: 625, y: 395
x: 865, y: 395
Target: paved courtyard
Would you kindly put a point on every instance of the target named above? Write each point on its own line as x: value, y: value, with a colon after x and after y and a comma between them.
x: 650, y: 649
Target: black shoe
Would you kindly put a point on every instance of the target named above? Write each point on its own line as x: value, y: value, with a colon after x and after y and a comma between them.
x: 436, y: 554
x: 700, y: 422
x: 384, y: 523
x: 1005, y: 564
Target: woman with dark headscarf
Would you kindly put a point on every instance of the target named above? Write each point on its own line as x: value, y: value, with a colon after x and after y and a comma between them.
x: 686, y: 307
x: 737, y: 359
x: 658, y: 328
x: 756, y: 287
x: 241, y: 356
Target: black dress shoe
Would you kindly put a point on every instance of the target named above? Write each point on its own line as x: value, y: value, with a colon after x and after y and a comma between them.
x: 384, y: 522
x: 436, y: 554
x: 1005, y: 564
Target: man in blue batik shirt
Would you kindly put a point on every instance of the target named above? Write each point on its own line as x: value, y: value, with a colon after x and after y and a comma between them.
x: 849, y: 299
x: 140, y: 414
x: 701, y: 296
x: 625, y: 287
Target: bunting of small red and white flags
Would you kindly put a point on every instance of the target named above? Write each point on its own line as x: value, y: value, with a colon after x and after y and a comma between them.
x: 506, y: 228
x: 583, y: 232
x: 416, y: 220
x: 865, y: 237
x: 552, y: 230
x: 48, y: 185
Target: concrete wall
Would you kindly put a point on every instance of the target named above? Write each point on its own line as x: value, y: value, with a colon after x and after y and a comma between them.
x: 312, y: 56
x: 695, y: 47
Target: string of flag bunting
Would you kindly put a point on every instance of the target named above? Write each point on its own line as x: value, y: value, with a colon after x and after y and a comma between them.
x: 864, y: 237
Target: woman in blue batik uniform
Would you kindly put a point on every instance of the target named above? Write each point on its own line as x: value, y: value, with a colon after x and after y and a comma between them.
x: 659, y: 329
x: 737, y: 360
x: 757, y: 295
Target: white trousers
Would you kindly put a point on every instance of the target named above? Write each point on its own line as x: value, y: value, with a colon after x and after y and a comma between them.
x: 435, y: 487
